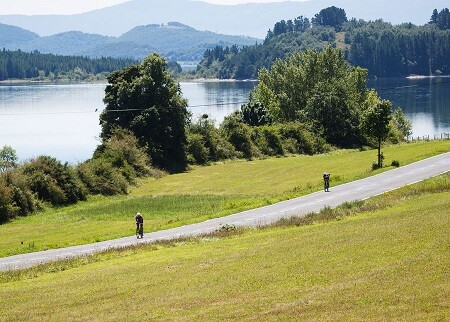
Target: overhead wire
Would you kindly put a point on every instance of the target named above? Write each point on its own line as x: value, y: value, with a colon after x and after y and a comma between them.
x: 201, y: 105
x: 117, y: 110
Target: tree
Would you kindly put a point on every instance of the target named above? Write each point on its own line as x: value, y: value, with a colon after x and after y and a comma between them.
x: 8, y: 158
x: 402, y: 123
x: 375, y: 122
x: 146, y: 100
x: 331, y: 17
x: 254, y: 114
x: 317, y: 87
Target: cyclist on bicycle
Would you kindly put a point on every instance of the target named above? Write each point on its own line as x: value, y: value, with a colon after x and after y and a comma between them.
x: 326, y: 181
x: 139, y: 225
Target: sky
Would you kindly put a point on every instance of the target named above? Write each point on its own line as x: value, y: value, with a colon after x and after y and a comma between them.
x: 37, y: 7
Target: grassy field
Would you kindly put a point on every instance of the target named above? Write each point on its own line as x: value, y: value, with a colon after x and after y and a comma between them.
x: 198, y: 195
x: 385, y: 259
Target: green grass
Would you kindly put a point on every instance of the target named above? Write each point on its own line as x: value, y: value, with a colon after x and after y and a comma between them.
x: 386, y: 258
x: 197, y: 195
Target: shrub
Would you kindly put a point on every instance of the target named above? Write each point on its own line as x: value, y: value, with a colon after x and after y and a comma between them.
x: 52, y: 181
x: 299, y: 138
x: 6, y: 203
x: 395, y: 163
x: 23, y: 197
x: 198, y: 153
x: 123, y: 151
x: 100, y: 177
x: 268, y: 140
x: 239, y: 135
x: 218, y: 148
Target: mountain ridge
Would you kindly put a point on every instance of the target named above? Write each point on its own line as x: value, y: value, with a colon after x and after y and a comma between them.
x: 173, y: 40
x: 252, y: 19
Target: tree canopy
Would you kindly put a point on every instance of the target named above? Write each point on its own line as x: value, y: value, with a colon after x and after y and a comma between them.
x: 317, y: 86
x: 382, y: 48
x: 331, y: 17
x: 146, y: 100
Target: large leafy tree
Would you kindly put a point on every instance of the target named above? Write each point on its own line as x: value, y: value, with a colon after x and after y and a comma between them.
x: 331, y: 17
x: 375, y: 122
x: 146, y: 100
x: 319, y: 87
x: 8, y: 158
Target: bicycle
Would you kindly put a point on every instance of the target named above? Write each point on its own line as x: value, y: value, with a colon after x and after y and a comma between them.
x: 139, y: 230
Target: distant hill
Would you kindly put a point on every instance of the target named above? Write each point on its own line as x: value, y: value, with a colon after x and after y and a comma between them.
x: 66, y: 43
x: 252, y: 19
x: 11, y: 34
x: 174, y: 40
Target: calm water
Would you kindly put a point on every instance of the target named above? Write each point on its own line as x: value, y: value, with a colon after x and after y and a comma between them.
x: 62, y: 120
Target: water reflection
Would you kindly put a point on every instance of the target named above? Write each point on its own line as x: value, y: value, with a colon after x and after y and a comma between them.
x: 63, y: 120
x: 425, y: 101
x: 217, y: 99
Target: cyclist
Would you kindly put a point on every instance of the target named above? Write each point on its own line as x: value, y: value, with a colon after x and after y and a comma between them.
x: 139, y: 225
x: 326, y: 181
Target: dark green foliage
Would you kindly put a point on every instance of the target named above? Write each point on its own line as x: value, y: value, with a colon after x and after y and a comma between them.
x: 268, y: 140
x: 388, y: 51
x: 239, y: 135
x: 375, y: 122
x: 385, y: 50
x: 23, y: 198
x: 330, y: 106
x: 122, y: 150
x: 198, y: 153
x: 255, y: 114
x: 20, y: 65
x: 52, y: 181
x: 330, y: 17
x: 116, y: 164
x: 298, y: 139
x: 7, y: 208
x: 205, y: 143
x: 147, y: 101
x: 245, y: 63
x: 441, y: 19
x: 101, y: 177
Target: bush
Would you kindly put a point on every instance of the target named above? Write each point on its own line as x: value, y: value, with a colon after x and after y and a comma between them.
x: 268, y: 140
x: 7, y: 208
x: 100, y: 177
x: 395, y: 163
x: 52, y: 181
x: 217, y: 146
x: 198, y: 153
x: 23, y: 198
x: 300, y: 139
x: 123, y: 151
x: 239, y: 135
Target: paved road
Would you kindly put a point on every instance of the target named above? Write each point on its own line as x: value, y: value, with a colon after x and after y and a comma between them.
x: 357, y: 190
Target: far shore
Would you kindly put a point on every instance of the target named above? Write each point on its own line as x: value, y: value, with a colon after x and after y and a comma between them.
x: 194, y: 80
x: 426, y: 76
x: 63, y: 82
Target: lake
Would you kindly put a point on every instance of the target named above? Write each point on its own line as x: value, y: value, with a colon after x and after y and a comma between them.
x: 63, y: 120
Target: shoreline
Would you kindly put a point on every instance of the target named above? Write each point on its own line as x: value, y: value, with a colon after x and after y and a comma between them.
x: 425, y: 76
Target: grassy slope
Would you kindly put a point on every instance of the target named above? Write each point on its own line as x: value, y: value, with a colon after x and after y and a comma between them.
x: 389, y: 262
x: 200, y: 194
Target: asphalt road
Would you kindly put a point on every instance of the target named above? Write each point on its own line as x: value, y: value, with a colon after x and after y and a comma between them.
x: 356, y: 190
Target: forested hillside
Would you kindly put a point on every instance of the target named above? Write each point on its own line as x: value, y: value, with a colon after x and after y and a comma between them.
x: 175, y: 41
x: 21, y: 65
x: 384, y: 49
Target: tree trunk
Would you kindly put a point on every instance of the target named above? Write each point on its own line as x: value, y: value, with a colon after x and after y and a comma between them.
x: 379, y: 154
